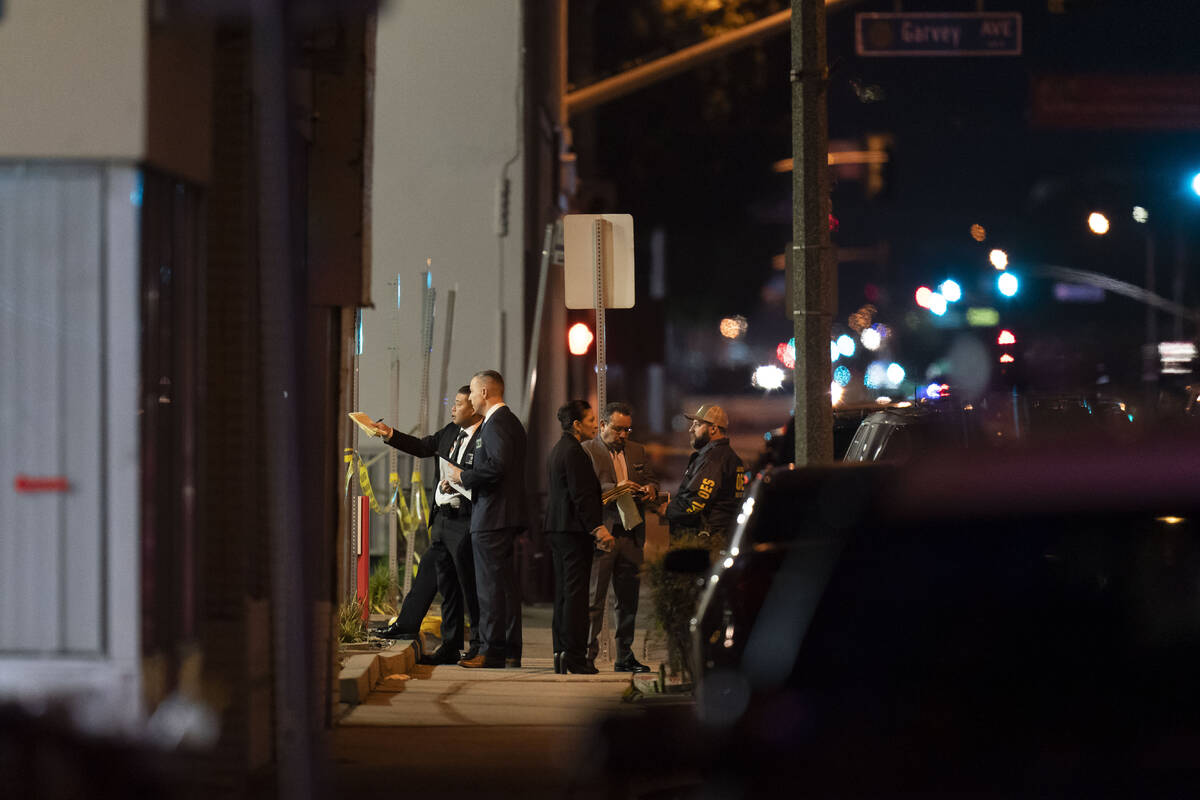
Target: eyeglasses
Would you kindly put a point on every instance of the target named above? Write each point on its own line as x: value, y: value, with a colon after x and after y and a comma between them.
x: 621, y: 428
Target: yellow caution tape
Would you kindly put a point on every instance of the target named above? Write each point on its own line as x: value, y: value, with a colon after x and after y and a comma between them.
x: 416, y: 481
x: 409, y: 522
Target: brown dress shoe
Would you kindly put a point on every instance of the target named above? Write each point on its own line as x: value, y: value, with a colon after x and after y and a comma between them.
x: 481, y: 661
x: 512, y: 663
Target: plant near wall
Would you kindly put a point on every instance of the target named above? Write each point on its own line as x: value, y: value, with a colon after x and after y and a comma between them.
x: 350, y: 625
x: 675, y: 598
x: 382, y: 590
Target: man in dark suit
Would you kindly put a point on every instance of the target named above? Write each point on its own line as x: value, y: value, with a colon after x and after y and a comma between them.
x: 497, y: 479
x: 450, y: 552
x: 620, y: 462
x: 574, y: 523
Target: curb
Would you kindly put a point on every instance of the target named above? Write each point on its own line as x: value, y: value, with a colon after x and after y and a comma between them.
x: 362, y: 671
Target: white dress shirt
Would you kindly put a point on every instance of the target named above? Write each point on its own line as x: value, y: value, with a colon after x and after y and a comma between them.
x: 454, y: 497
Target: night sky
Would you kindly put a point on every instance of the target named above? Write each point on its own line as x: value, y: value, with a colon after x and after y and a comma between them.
x: 693, y: 155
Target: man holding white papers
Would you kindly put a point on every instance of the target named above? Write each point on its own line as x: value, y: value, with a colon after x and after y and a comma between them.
x: 450, y: 523
x: 628, y: 479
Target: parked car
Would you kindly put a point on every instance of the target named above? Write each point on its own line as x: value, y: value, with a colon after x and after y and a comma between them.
x: 902, y: 433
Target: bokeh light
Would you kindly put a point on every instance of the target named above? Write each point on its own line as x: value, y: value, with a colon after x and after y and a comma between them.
x: 733, y: 327
x: 1007, y: 284
x: 1097, y: 223
x: 786, y: 353
x: 768, y: 376
x: 978, y: 233
x: 895, y: 374
x: 951, y: 291
x: 841, y: 375
x: 834, y: 353
x: 876, y: 375
x: 937, y: 304
x: 1006, y: 337
x: 835, y: 393
x: 1140, y: 214
x: 871, y: 339
x: 998, y: 258
x: 922, y: 296
x: 845, y: 345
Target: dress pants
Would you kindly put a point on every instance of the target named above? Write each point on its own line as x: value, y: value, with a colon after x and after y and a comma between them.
x: 499, y: 601
x: 572, y: 556
x: 424, y: 587
x: 456, y: 577
x: 622, y: 567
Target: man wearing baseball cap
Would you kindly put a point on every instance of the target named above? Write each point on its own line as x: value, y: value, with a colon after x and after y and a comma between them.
x: 715, y: 480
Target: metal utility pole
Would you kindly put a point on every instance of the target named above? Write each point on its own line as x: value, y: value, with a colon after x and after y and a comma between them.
x: 812, y: 256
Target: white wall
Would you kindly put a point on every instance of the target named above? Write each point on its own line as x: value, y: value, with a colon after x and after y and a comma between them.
x: 447, y: 119
x: 69, y: 333
x: 73, y: 78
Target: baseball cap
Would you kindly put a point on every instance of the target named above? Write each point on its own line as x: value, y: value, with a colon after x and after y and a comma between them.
x: 713, y: 414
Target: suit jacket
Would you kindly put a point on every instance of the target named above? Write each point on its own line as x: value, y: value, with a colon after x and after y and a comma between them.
x: 574, y: 504
x: 437, y: 444
x: 496, y: 477
x: 639, y: 470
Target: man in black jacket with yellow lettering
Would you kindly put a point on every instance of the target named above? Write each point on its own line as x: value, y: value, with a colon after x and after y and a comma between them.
x: 713, y: 483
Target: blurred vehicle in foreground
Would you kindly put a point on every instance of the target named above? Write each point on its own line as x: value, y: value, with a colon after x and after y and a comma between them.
x: 1025, y: 624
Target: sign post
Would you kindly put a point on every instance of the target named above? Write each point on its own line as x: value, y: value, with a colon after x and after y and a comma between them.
x: 598, y: 273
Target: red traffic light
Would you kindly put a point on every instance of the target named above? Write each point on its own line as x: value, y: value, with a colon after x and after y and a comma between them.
x: 579, y: 339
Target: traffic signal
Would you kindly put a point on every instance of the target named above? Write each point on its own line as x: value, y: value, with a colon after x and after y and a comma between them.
x: 579, y: 339
x: 879, y: 145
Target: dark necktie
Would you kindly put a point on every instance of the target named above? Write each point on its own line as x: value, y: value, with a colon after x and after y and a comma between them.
x: 455, y: 456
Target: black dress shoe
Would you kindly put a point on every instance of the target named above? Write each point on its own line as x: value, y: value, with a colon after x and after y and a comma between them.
x: 558, y: 666
x: 395, y: 631
x: 578, y: 666
x: 630, y: 664
x: 443, y: 655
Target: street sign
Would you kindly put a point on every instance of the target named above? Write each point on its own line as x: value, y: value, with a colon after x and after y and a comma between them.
x: 938, y: 34
x: 611, y: 243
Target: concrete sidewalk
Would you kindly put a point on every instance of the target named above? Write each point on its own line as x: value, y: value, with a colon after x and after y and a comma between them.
x: 403, y: 693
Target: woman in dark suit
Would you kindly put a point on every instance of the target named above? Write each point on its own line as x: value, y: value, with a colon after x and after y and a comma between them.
x: 575, y: 524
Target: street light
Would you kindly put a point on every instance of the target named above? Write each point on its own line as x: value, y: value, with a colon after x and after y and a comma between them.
x: 1098, y: 223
